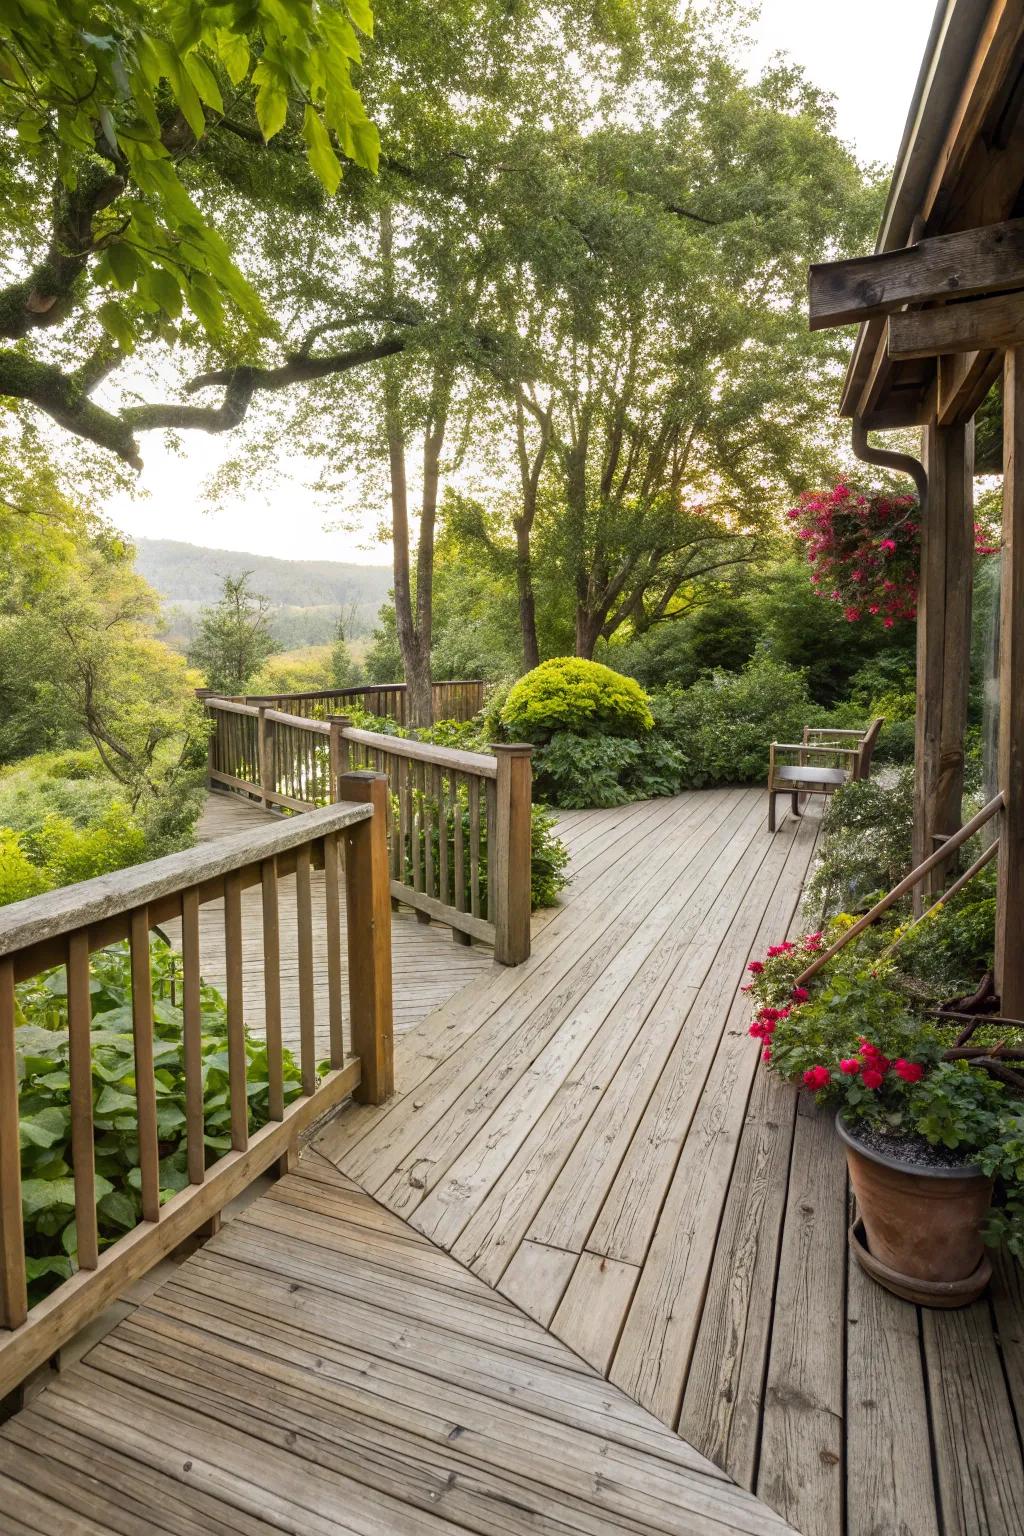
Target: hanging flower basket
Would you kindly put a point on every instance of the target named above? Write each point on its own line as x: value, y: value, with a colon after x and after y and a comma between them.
x: 866, y: 551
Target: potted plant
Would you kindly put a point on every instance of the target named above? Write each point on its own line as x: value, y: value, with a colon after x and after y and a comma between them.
x: 928, y: 1135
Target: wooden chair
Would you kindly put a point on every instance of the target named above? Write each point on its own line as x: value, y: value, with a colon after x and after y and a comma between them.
x: 827, y: 774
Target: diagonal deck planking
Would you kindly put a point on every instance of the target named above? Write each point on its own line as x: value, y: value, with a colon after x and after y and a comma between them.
x: 427, y: 966
x: 591, y: 1136
x: 644, y: 1235
x: 320, y: 1368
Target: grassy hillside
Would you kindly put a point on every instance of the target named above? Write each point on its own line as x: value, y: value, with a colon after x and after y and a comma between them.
x: 308, y: 596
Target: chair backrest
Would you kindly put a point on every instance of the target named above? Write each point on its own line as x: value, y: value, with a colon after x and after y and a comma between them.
x: 867, y: 748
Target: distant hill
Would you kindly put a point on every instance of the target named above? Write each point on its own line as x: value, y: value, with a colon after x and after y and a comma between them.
x: 308, y: 596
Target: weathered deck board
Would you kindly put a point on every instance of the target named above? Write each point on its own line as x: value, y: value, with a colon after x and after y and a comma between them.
x: 246, y: 1397
x: 428, y: 968
x: 591, y: 1136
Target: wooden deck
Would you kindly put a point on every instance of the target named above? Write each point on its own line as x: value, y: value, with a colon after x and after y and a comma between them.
x: 427, y: 966
x: 590, y: 1134
x: 595, y: 1227
x: 320, y: 1368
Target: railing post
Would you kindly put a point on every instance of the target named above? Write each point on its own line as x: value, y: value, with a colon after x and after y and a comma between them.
x: 339, y: 750
x: 368, y: 911
x: 265, y: 752
x: 508, y: 862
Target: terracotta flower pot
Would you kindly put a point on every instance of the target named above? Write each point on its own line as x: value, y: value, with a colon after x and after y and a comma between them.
x: 921, y: 1223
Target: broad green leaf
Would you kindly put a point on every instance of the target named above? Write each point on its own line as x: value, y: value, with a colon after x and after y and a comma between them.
x: 322, y: 159
x: 271, y: 109
x: 116, y: 323
x: 234, y: 53
x: 361, y: 14
x: 205, y: 81
x: 124, y: 264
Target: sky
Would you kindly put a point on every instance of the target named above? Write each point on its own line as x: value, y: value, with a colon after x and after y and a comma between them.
x: 838, y: 46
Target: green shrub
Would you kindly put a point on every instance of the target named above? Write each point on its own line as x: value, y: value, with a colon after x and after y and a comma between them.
x: 865, y: 844
x: 549, y: 858
x: 583, y: 697
x: 575, y: 772
x: 19, y: 877
x: 725, y: 723
x: 946, y: 956
x: 44, y: 1102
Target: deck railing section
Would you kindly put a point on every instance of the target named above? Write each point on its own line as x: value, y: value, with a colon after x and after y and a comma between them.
x: 459, y: 823
x: 64, y: 927
x: 455, y: 700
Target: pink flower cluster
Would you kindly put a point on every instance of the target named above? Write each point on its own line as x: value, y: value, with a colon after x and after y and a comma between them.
x: 865, y: 551
x: 871, y: 1064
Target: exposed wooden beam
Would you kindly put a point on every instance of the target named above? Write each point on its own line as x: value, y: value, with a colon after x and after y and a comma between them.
x: 975, y: 326
x: 1010, y: 892
x: 964, y: 379
x: 973, y: 261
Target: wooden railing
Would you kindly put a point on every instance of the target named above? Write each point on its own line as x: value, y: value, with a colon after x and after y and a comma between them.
x: 459, y: 700
x: 63, y: 928
x: 913, y: 880
x: 459, y: 828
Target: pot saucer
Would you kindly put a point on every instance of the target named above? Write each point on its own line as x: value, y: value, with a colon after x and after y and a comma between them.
x: 926, y: 1293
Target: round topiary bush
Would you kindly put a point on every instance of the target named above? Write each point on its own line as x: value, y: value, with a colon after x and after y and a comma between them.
x: 581, y: 697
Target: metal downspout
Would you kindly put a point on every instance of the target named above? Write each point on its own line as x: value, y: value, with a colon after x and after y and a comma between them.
x: 884, y: 458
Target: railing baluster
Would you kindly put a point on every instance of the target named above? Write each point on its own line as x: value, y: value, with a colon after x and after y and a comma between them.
x: 272, y: 988
x: 192, y: 1037
x: 491, y: 801
x: 332, y: 906
x: 416, y: 797
x: 304, y: 929
x: 13, y: 1287
x: 427, y: 778
x: 459, y: 846
x: 474, y: 846
x: 83, y: 1154
x: 145, y: 1082
x: 237, y: 1063
x: 442, y: 836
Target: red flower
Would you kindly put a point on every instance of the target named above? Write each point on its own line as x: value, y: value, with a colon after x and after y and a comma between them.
x: 799, y: 994
x: 872, y: 1078
x: 850, y: 1065
x: 817, y: 1077
x: 755, y: 967
x: 766, y: 1054
x: 910, y: 1071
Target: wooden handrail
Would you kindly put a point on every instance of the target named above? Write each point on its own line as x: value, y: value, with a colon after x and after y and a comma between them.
x: 940, y: 856
x: 63, y: 928
x: 459, y: 828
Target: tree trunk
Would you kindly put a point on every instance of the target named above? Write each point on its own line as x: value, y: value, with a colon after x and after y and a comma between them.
x: 527, y: 601
x: 588, y: 632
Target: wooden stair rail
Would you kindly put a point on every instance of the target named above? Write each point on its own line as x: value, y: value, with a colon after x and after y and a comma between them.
x: 459, y: 823
x: 940, y: 856
x: 64, y: 927
x: 458, y: 699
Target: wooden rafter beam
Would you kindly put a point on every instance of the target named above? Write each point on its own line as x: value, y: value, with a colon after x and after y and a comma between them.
x: 974, y: 261
x: 976, y: 326
x: 964, y: 379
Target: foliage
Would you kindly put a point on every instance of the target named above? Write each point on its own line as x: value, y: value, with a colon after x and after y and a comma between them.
x: 45, y: 1095
x: 721, y: 634
x: 582, y: 697
x: 293, y: 672
x: 578, y: 771
x: 865, y: 549
x: 851, y: 1038
x: 63, y: 819
x: 109, y: 100
x: 549, y: 859
x: 947, y: 955
x: 233, y: 638
x: 725, y: 722
x: 864, y: 847
x: 344, y: 669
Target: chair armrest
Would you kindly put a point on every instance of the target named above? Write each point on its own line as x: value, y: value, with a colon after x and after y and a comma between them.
x: 802, y: 746
x: 827, y: 730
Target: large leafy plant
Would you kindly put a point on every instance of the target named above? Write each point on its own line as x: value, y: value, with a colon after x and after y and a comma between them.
x: 108, y: 97
x: 41, y: 1038
x: 581, y: 697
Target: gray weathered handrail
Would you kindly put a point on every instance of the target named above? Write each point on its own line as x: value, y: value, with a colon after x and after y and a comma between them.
x: 459, y: 828
x: 455, y: 699
x: 63, y: 928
